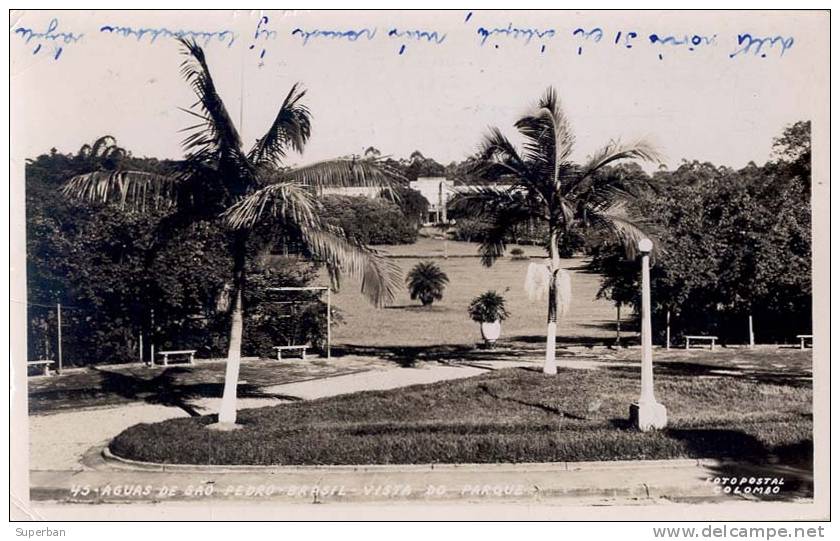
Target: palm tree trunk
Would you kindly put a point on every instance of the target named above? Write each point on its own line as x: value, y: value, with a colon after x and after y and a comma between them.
x: 550, y: 366
x: 227, y: 410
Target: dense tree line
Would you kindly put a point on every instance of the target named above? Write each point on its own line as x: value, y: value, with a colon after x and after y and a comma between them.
x: 121, y: 274
x: 119, y: 277
x: 729, y: 244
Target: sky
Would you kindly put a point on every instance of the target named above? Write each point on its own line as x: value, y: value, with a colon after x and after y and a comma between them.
x: 384, y: 79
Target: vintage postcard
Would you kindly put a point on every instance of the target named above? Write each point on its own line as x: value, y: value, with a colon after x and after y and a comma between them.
x: 419, y: 264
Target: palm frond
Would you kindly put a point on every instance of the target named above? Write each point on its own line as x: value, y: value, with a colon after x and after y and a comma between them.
x: 538, y: 284
x: 548, y: 135
x: 291, y: 129
x: 84, y: 152
x: 296, y: 207
x: 480, y: 201
x: 615, y: 151
x: 214, y: 140
x: 342, y: 172
x: 627, y: 230
x: 503, y: 208
x: 381, y: 278
x: 537, y: 280
x: 137, y: 190
x: 563, y: 136
x: 287, y: 202
x: 497, y: 158
x: 102, y: 145
x: 563, y: 284
x: 195, y: 71
x: 600, y: 190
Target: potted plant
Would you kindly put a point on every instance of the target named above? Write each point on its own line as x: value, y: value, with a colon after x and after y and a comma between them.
x: 489, y: 310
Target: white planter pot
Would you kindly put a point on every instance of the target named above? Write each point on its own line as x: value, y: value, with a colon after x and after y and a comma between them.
x: 491, y: 331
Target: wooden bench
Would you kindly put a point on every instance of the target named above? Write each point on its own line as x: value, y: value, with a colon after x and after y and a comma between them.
x: 184, y: 352
x: 281, y: 349
x: 803, y: 337
x: 688, y: 340
x: 44, y: 363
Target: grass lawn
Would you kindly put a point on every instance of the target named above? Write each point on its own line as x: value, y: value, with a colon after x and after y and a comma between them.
x: 172, y: 386
x: 510, y: 415
x: 407, y: 324
x: 764, y: 364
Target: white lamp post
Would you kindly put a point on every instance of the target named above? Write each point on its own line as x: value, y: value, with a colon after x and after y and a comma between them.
x: 647, y: 413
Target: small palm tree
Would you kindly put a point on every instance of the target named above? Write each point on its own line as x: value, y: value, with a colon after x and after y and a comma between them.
x: 219, y: 180
x: 546, y: 186
x: 426, y: 282
x: 488, y: 307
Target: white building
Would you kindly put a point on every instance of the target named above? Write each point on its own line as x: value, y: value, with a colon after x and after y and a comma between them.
x: 371, y: 192
x: 438, y: 191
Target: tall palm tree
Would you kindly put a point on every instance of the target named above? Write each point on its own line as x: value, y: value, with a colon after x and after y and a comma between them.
x: 546, y: 186
x: 218, y: 179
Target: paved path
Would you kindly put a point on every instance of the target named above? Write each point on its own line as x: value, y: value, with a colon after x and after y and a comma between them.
x: 59, y: 440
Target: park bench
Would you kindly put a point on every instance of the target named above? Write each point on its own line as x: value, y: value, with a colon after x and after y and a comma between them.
x: 281, y: 349
x: 44, y: 363
x: 177, y: 352
x: 711, y: 339
x: 803, y: 337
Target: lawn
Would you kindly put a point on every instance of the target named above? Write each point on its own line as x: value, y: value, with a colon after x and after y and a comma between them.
x: 764, y: 364
x: 176, y: 385
x: 510, y: 415
x: 407, y: 324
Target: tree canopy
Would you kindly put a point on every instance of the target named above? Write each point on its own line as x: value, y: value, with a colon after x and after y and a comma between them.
x: 729, y: 243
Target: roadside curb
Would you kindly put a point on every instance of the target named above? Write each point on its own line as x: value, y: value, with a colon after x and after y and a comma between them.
x: 112, y: 479
x: 113, y: 460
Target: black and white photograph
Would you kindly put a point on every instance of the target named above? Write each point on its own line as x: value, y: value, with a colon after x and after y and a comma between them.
x: 539, y: 265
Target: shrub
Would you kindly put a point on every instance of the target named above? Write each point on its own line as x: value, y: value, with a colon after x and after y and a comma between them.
x: 426, y: 282
x: 370, y: 221
x: 411, y: 203
x: 518, y: 253
x: 488, y: 307
x: 470, y: 230
x: 284, y: 318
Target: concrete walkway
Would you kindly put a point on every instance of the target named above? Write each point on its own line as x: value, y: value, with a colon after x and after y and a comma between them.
x: 383, y: 377
x: 58, y: 441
